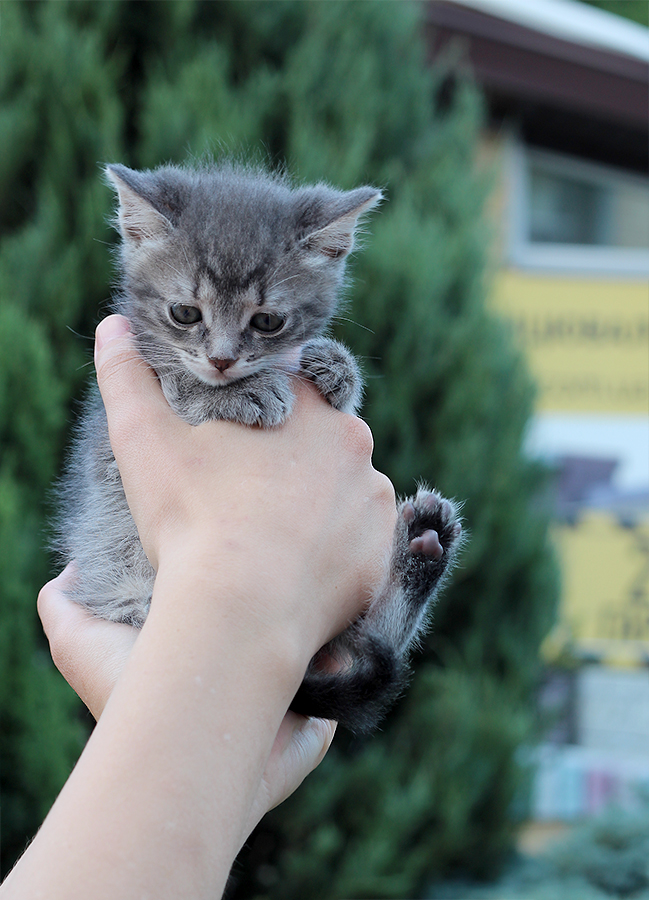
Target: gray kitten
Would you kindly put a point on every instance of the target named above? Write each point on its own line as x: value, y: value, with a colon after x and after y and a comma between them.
x: 229, y: 278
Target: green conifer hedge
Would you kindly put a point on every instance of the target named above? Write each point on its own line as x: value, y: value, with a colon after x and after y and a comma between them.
x: 339, y: 91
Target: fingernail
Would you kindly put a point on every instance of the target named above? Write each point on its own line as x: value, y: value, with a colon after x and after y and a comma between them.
x: 111, y: 328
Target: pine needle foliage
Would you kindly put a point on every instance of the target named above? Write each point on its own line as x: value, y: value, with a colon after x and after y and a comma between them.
x: 338, y: 91
x: 57, y: 116
x: 605, y: 858
x: 635, y: 10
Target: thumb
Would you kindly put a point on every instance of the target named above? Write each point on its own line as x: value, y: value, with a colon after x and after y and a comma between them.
x: 129, y: 388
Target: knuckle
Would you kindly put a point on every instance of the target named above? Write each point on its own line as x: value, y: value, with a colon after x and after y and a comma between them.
x: 59, y: 655
x: 385, y: 493
x: 358, y: 436
x: 41, y: 607
x: 56, y: 637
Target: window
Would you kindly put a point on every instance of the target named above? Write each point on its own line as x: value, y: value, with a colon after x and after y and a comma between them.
x: 571, y: 214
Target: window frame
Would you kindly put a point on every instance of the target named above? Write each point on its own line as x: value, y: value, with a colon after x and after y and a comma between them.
x: 585, y: 258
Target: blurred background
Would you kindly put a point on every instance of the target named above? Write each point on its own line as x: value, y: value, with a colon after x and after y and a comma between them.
x: 500, y: 309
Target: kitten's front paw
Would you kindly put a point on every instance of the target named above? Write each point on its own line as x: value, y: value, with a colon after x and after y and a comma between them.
x: 335, y: 373
x: 265, y: 399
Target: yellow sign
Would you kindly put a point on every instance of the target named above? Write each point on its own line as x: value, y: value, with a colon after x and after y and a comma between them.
x: 605, y: 603
x: 586, y: 341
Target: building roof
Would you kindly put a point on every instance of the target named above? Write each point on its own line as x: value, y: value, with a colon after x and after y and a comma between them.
x: 575, y: 78
x: 572, y: 21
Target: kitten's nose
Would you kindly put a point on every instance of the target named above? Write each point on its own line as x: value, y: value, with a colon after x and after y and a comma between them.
x: 222, y: 364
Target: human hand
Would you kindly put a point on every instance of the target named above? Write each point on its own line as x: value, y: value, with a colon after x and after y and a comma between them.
x: 90, y: 653
x: 281, y: 514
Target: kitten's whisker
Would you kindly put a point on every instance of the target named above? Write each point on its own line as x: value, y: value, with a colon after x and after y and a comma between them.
x: 284, y: 280
x: 353, y: 322
x: 83, y: 337
x: 300, y: 376
x: 184, y: 249
x: 301, y: 314
x: 274, y: 272
x: 174, y: 269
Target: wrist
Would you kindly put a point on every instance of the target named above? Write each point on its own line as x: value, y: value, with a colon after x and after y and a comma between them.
x: 215, y: 599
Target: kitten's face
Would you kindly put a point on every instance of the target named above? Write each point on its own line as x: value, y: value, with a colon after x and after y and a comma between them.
x: 228, y: 273
x: 224, y: 322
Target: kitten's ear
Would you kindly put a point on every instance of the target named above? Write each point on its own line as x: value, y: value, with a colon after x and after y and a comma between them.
x: 141, y: 215
x: 336, y: 239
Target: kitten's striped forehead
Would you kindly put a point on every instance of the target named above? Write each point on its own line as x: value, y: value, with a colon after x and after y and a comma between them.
x: 229, y: 279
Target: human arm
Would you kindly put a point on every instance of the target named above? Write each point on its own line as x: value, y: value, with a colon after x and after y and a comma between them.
x: 266, y: 544
x: 90, y: 653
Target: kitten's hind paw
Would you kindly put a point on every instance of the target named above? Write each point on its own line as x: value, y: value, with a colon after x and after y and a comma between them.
x: 433, y: 525
x: 430, y: 536
x: 428, y: 544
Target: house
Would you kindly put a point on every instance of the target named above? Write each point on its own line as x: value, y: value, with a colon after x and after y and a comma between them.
x: 567, y: 90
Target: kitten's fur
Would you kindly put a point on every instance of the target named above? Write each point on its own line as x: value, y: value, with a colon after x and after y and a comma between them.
x: 259, y: 265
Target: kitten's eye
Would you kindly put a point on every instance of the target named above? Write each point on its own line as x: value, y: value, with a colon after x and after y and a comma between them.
x: 185, y: 315
x: 267, y: 323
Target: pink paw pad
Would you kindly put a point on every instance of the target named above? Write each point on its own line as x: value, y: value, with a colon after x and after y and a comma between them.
x: 428, y: 544
x: 432, y: 501
x: 408, y: 513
